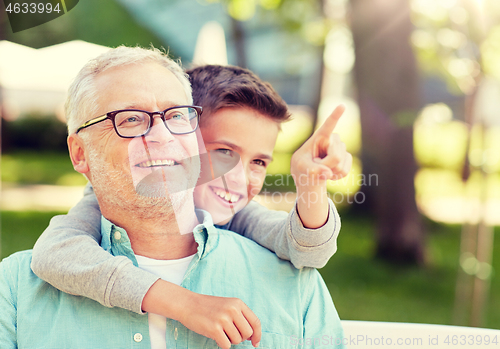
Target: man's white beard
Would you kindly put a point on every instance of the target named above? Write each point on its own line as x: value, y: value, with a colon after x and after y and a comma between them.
x: 115, y: 189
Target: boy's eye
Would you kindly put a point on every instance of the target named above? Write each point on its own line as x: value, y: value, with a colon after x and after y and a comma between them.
x: 226, y: 152
x: 260, y: 162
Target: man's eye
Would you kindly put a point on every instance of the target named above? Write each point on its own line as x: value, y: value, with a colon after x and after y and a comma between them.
x: 178, y: 117
x: 131, y: 120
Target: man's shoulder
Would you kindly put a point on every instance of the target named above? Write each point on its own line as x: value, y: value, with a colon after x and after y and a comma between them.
x: 16, y: 268
x: 246, y: 251
x: 19, y: 259
x: 229, y: 238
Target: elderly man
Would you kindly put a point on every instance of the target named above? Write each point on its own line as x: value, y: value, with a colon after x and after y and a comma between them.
x: 132, y: 135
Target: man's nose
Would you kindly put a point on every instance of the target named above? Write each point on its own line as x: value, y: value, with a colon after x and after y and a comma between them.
x: 159, y: 131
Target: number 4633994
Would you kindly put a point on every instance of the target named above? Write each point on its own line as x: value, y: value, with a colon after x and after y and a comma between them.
x: 471, y: 340
x: 32, y: 8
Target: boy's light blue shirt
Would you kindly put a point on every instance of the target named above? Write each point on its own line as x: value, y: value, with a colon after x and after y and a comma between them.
x: 294, y: 306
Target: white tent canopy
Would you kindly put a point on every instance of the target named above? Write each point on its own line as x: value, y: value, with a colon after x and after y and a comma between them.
x: 36, y: 80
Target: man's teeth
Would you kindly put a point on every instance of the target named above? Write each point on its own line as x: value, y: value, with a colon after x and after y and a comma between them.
x: 157, y: 163
x: 232, y: 198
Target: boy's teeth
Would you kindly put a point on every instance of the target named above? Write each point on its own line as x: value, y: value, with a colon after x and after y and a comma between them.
x: 232, y: 198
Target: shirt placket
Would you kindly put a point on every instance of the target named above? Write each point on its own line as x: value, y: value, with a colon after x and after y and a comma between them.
x: 139, y: 332
x: 177, y: 335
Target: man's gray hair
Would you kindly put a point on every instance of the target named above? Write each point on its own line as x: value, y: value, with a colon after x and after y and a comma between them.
x: 81, y: 103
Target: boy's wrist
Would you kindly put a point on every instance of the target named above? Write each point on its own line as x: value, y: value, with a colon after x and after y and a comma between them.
x: 312, y: 193
x: 158, y: 300
x: 312, y: 205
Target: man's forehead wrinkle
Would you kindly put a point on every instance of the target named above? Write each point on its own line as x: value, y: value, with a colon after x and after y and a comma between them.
x: 154, y: 83
x: 160, y: 105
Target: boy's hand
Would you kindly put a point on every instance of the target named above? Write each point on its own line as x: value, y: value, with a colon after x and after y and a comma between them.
x: 225, y: 320
x: 323, y: 156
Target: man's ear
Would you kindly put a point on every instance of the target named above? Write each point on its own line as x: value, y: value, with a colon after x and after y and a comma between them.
x: 77, y: 154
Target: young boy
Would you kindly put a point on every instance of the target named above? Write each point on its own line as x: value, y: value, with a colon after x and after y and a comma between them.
x: 241, y: 119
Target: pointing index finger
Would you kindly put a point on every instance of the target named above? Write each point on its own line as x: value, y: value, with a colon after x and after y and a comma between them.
x: 329, y: 125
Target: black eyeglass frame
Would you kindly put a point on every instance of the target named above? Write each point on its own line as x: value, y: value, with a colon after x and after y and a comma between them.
x: 111, y: 116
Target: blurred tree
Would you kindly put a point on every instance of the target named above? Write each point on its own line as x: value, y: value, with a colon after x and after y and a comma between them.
x: 388, y: 94
x: 304, y: 19
x: 238, y: 33
x: 101, y: 22
x: 459, y: 42
x: 3, y: 22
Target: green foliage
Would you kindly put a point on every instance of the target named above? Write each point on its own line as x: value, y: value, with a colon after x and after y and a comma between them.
x: 116, y: 25
x: 279, y: 183
x: 29, y: 167
x: 303, y: 17
x: 242, y: 10
x: 367, y: 289
x: 491, y: 53
x: 456, y: 40
x: 101, y: 22
x: 34, y: 132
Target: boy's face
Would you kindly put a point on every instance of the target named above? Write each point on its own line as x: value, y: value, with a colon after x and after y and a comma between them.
x: 230, y: 133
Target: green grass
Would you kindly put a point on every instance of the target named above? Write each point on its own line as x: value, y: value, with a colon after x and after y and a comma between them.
x: 364, y: 288
x: 21, y: 229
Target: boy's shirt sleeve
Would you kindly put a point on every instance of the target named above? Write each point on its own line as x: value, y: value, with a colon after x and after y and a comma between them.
x: 68, y: 256
x: 286, y: 235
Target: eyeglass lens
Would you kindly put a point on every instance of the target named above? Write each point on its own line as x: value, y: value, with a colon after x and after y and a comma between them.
x: 135, y: 123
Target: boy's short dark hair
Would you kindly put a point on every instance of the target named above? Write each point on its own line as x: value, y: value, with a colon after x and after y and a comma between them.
x: 216, y: 87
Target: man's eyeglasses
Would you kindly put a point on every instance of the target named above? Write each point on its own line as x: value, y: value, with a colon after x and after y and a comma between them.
x: 131, y: 123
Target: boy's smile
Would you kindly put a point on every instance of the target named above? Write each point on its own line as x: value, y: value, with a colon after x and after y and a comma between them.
x: 229, y: 197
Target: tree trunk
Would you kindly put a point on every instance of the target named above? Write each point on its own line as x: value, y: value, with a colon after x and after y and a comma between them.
x: 388, y: 94
x: 238, y: 34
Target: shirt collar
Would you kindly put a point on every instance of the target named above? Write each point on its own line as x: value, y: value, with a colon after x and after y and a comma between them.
x: 115, y: 239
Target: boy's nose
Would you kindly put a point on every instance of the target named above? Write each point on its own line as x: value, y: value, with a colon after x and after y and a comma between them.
x: 238, y: 174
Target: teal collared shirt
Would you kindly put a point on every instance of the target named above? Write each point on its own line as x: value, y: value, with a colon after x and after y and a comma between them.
x: 294, y: 306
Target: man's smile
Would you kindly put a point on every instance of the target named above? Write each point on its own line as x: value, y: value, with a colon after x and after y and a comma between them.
x: 157, y: 163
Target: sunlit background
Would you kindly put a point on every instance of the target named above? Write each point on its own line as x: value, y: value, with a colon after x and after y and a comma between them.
x: 421, y: 83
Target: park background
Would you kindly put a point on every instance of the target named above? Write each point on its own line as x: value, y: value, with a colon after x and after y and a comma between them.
x: 421, y: 83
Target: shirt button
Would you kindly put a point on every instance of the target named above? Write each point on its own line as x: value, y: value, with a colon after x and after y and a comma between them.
x: 137, y: 337
x: 176, y: 333
x: 117, y: 235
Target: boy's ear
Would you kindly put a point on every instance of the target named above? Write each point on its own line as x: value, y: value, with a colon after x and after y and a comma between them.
x: 77, y: 154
